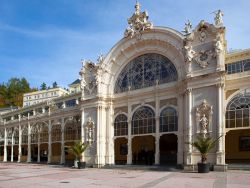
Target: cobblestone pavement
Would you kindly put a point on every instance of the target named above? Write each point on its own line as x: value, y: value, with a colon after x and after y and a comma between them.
x: 38, y: 175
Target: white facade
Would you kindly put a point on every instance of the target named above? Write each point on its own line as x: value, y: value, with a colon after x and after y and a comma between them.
x: 42, y: 96
x: 156, y: 90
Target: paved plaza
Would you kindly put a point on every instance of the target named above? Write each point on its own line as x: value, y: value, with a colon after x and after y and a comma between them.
x: 38, y: 175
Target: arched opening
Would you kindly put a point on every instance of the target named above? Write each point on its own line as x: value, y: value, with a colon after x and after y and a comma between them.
x: 15, y: 144
x: 56, y: 135
x: 143, y: 143
x: 34, y: 143
x: 24, y: 144
x: 237, y: 141
x: 9, y: 143
x: 121, y: 142
x: 44, y: 138
x: 168, y: 149
x: 121, y: 150
x: 143, y: 150
x: 72, y: 133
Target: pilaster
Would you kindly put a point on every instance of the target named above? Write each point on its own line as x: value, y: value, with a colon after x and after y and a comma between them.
x: 62, y: 161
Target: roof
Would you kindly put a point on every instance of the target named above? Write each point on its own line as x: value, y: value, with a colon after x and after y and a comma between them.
x: 77, y: 81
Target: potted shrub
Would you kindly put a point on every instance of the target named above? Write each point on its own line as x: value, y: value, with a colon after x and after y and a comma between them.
x: 77, y: 150
x: 204, y: 145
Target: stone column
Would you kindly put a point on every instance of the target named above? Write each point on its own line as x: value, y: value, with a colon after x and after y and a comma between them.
x: 157, y: 130
x: 189, y: 125
x: 181, y: 144
x: 157, y: 147
x: 29, y: 143
x: 5, y: 146
x: 220, y: 154
x: 110, y: 134
x: 20, y: 142
x: 38, y: 146
x: 12, y: 146
x: 62, y: 143
x: 83, y: 131
x: 129, y: 155
x: 101, y: 125
x: 49, y: 144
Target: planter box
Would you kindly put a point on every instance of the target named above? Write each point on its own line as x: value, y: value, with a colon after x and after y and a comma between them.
x: 81, y: 165
x: 203, y: 167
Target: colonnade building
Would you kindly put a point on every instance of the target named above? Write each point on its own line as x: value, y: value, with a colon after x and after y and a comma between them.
x: 154, y: 91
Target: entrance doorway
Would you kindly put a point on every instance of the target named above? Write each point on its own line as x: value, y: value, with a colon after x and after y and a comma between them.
x: 121, y: 150
x: 237, y: 146
x: 168, y: 149
x: 143, y: 150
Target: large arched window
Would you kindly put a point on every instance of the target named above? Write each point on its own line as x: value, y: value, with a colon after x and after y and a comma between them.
x: 143, y: 121
x: 168, y: 120
x: 238, y: 110
x: 121, y: 125
x: 145, y: 71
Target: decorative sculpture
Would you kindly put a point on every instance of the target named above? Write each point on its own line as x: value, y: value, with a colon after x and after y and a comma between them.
x: 203, y: 124
x: 218, y: 18
x: 90, y: 130
x: 100, y: 58
x: 187, y: 28
x: 203, y: 58
x: 204, y: 118
x: 189, y: 53
x: 88, y: 77
x: 218, y: 45
x: 138, y: 22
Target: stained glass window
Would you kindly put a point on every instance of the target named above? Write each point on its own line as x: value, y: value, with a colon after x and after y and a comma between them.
x: 145, y: 71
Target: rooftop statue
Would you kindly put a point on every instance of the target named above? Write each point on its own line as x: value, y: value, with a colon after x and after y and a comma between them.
x: 187, y: 28
x: 137, y: 22
x: 218, y: 18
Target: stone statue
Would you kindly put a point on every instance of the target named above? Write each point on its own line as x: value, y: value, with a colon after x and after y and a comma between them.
x: 90, y: 129
x: 203, y: 124
x: 204, y: 118
x: 218, y: 18
x: 138, y: 22
x: 187, y: 28
x: 218, y: 45
x: 100, y: 58
x: 189, y: 53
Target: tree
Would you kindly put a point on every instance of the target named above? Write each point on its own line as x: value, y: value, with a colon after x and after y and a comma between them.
x: 204, y: 145
x: 54, y: 85
x: 43, y: 86
x: 11, y: 93
x: 77, y: 150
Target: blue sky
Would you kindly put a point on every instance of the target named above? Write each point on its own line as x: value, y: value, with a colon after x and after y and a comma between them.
x: 45, y: 40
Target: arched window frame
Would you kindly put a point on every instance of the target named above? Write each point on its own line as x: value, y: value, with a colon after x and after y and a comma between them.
x: 143, y: 125
x: 169, y: 123
x: 238, y: 110
x: 144, y: 71
x: 121, y: 125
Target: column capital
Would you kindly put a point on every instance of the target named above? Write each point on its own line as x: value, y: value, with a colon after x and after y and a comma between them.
x: 220, y: 85
x: 188, y: 91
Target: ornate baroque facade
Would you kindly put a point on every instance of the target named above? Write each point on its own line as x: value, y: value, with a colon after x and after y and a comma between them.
x: 156, y: 90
